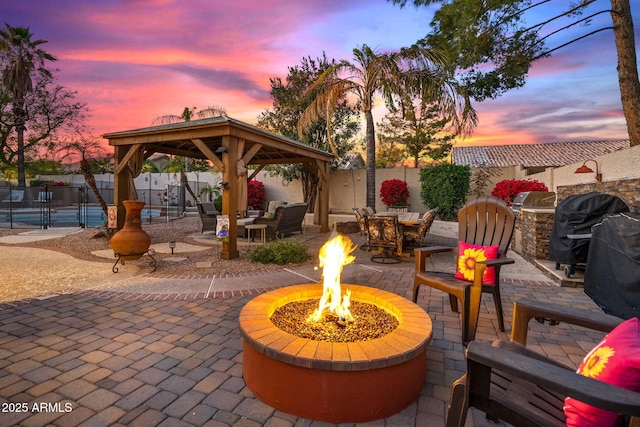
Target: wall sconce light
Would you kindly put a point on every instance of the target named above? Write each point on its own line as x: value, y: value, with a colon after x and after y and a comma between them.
x: 586, y: 169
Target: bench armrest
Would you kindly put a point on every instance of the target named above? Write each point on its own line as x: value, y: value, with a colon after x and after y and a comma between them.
x: 526, y: 309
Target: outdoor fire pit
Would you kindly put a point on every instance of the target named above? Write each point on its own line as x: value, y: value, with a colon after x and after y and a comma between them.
x: 337, y: 382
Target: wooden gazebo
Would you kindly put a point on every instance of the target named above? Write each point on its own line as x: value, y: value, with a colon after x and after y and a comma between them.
x: 231, y: 146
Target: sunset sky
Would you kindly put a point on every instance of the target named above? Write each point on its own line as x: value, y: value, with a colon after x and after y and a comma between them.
x: 132, y: 61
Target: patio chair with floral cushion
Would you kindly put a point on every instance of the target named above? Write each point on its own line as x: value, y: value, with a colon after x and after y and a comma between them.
x: 485, y: 228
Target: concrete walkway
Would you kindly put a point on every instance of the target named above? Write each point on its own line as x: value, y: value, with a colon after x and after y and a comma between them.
x: 167, y: 351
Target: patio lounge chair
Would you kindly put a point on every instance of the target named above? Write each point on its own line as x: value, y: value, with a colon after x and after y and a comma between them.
x: 521, y: 387
x: 208, y: 216
x: 286, y: 220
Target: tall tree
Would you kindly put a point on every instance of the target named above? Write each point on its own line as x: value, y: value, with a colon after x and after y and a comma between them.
x: 290, y: 99
x: 493, y: 46
x: 53, y: 111
x: 422, y: 132
x: 389, y: 153
x: 396, y: 75
x: 21, y: 58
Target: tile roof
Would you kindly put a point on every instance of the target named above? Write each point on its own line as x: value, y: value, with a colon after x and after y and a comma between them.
x: 531, y: 155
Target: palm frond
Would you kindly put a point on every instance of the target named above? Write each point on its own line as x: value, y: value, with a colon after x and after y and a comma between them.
x: 211, y: 111
x: 166, y: 119
x: 328, y: 97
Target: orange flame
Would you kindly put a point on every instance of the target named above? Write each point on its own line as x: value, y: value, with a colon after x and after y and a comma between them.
x: 334, y: 255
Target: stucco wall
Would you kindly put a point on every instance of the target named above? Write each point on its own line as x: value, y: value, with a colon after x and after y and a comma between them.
x: 621, y: 165
x: 347, y: 188
x: 620, y: 176
x: 620, y: 170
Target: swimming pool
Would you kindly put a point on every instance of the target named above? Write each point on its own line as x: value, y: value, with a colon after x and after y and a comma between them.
x: 89, y: 216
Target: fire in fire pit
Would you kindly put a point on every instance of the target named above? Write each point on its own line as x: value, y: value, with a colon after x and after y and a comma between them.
x: 334, y: 255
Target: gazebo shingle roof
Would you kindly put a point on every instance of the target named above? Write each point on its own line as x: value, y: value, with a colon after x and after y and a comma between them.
x: 534, y: 155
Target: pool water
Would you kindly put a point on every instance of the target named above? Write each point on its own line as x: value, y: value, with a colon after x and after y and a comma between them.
x: 90, y: 216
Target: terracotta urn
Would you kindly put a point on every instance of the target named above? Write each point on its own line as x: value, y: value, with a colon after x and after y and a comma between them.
x: 131, y: 242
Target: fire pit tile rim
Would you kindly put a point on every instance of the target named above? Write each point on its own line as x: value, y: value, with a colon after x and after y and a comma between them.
x: 282, y: 342
x: 376, y: 350
x: 340, y: 354
x: 269, y: 338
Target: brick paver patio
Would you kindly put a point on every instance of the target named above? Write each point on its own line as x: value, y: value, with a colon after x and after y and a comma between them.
x: 96, y: 358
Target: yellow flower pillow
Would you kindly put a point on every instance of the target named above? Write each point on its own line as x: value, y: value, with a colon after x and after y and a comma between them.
x: 468, y: 255
x: 615, y: 360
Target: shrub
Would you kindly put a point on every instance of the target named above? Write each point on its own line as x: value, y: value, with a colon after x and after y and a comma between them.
x: 281, y: 251
x: 37, y: 182
x: 255, y: 194
x: 217, y: 202
x: 394, y: 192
x: 211, y: 192
x: 445, y: 187
x: 508, y: 189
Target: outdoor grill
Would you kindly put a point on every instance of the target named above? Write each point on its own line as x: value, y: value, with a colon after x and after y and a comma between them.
x: 571, y: 231
x: 533, y: 199
x: 612, y: 277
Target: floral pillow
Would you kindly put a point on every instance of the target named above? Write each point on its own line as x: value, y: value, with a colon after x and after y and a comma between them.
x: 615, y: 360
x: 468, y: 255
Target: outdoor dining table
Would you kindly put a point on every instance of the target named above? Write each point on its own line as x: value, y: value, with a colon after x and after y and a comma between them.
x: 410, y: 219
x: 406, y: 220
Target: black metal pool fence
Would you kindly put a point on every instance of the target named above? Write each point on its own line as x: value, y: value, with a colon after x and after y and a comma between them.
x: 51, y: 205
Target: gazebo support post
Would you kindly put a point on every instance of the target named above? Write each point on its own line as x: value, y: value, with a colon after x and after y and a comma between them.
x: 230, y: 196
x: 121, y: 177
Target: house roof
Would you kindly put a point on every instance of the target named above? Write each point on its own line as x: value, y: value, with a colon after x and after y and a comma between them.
x: 534, y: 155
x: 178, y: 139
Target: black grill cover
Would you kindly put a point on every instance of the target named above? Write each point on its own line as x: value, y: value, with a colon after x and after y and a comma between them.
x: 576, y: 215
x: 612, y: 277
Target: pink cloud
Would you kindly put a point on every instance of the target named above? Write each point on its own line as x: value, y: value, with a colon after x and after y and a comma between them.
x: 131, y: 61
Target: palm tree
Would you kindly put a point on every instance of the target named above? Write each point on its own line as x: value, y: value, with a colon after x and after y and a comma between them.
x: 182, y: 164
x: 415, y: 72
x: 21, y: 58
